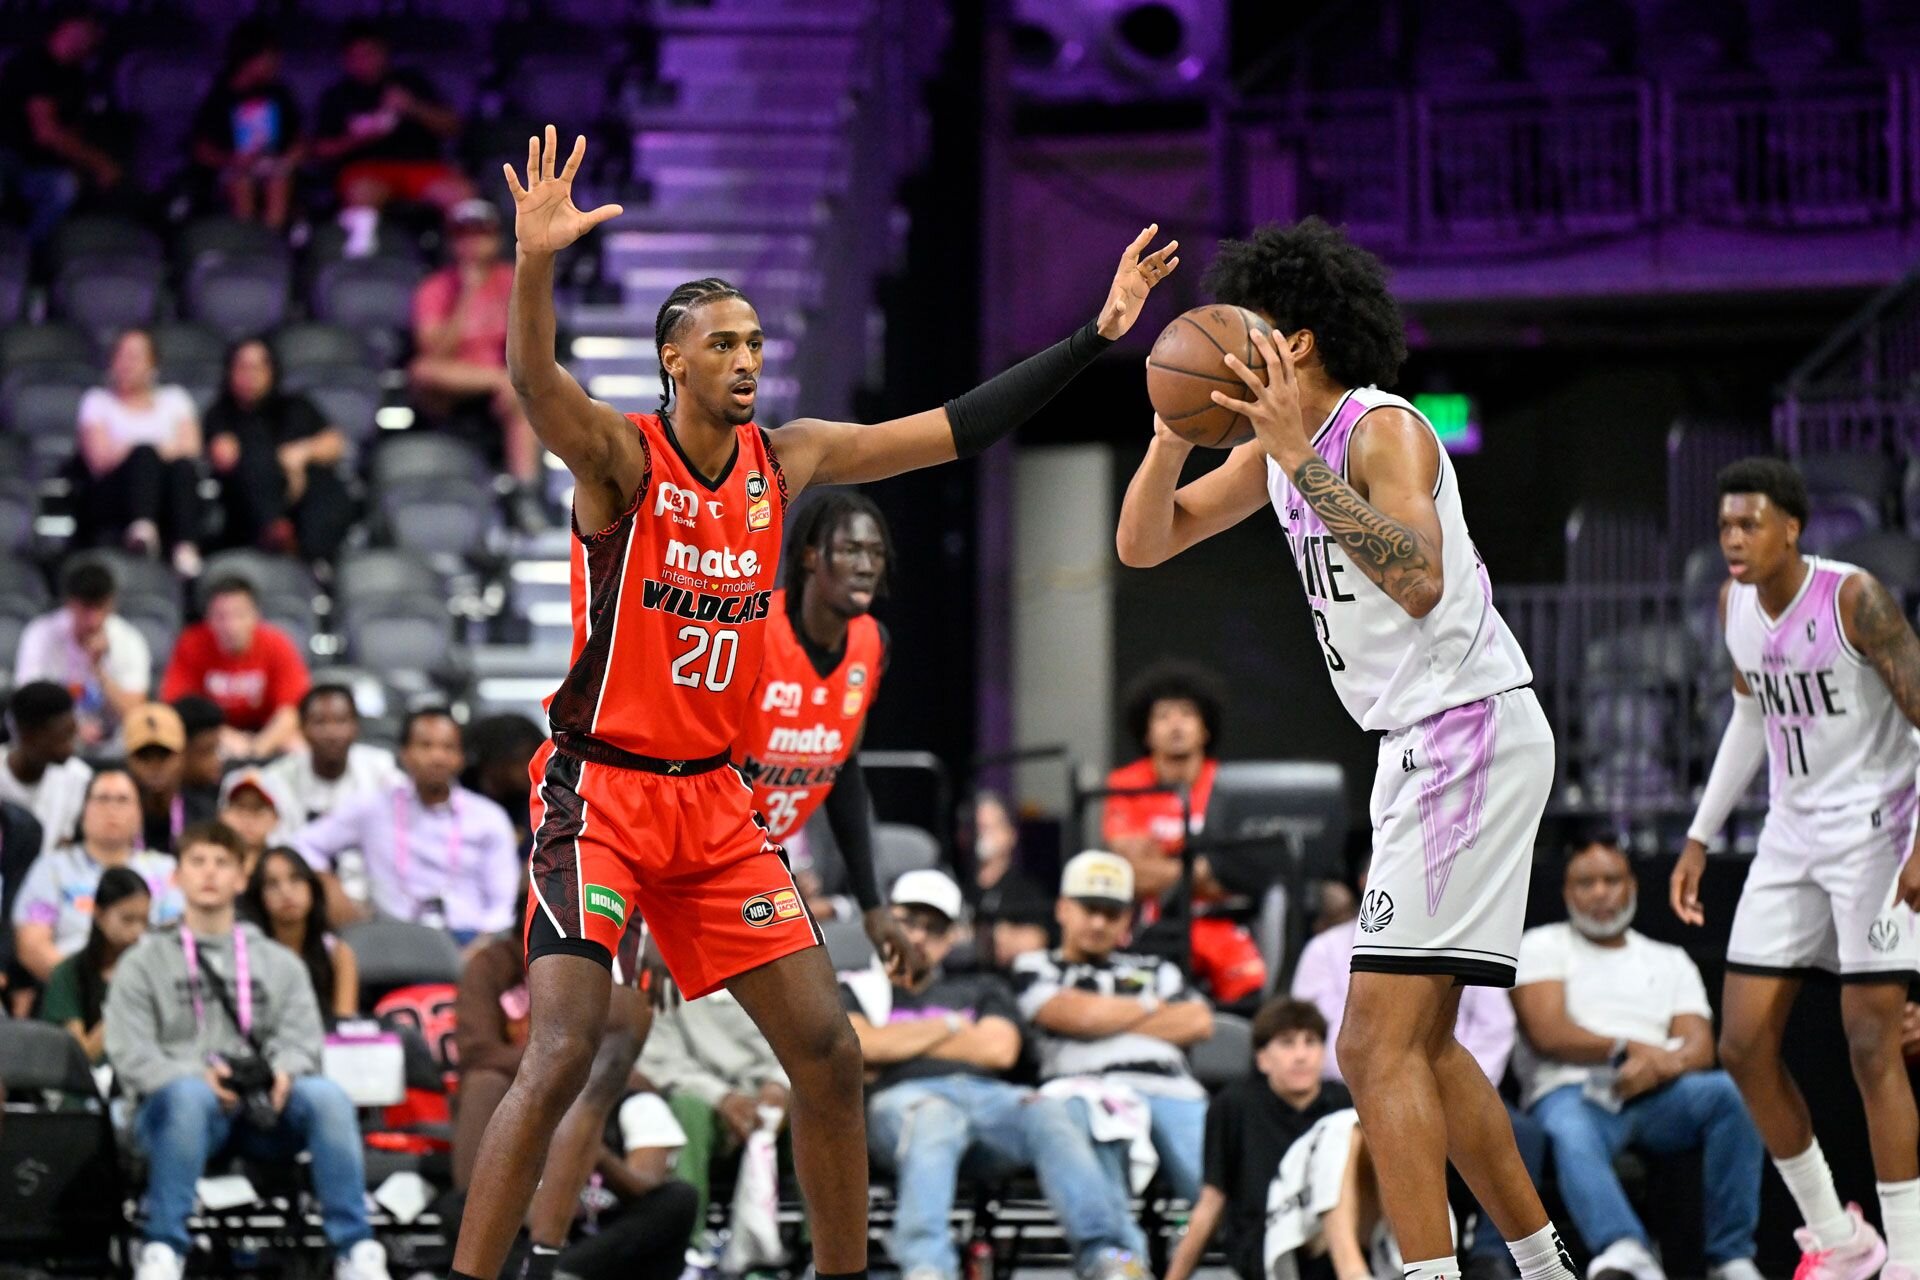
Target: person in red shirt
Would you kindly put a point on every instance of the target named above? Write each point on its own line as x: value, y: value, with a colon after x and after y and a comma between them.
x: 1173, y: 711
x: 677, y: 520
x: 250, y: 668
x: 825, y: 656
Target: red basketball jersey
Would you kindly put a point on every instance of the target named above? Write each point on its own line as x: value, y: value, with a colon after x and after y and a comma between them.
x: 670, y: 603
x: 803, y: 725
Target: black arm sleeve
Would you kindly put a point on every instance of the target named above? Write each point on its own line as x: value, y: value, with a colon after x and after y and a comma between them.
x: 999, y: 405
x: 850, y: 818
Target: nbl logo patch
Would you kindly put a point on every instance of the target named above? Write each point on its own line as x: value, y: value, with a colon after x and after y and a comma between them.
x: 767, y: 909
x: 1376, y: 911
x: 756, y: 486
x: 1884, y: 935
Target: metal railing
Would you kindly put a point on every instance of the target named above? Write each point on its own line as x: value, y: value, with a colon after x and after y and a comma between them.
x: 1860, y: 389
x: 1505, y: 167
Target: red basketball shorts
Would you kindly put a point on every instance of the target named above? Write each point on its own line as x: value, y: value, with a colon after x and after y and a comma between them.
x: 683, y: 853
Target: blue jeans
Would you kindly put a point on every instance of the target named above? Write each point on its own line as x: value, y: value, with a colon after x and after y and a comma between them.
x: 1179, y: 1139
x: 182, y: 1127
x: 1701, y: 1109
x: 923, y: 1129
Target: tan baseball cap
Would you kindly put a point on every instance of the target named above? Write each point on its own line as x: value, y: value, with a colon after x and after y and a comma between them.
x: 155, y: 724
x: 1098, y: 878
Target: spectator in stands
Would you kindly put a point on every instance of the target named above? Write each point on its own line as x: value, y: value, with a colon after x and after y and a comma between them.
x: 246, y: 136
x: 645, y: 1236
x: 77, y: 988
x: 1337, y: 906
x: 284, y: 897
x: 1619, y: 1053
x: 20, y: 846
x: 334, y: 765
x: 459, y: 369
x: 1012, y: 912
x: 90, y: 650
x: 56, y: 129
x: 716, y: 1071
x: 1173, y: 711
x: 200, y: 765
x: 41, y: 773
x: 490, y: 1038
x: 436, y: 853
x: 1251, y: 1125
x: 278, y: 461
x: 250, y: 668
x: 1484, y: 1026
x: 500, y: 748
x: 387, y: 129
x: 53, y: 913
x: 139, y: 443
x: 156, y: 757
x: 251, y: 802
x: 192, y: 1012
x: 1116, y: 1024
x: 995, y: 840
x: 940, y: 1052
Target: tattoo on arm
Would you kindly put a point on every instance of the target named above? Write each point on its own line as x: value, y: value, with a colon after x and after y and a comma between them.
x: 1399, y: 559
x: 1890, y: 645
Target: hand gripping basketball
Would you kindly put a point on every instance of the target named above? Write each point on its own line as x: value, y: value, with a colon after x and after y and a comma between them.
x: 1274, y: 409
x: 544, y: 217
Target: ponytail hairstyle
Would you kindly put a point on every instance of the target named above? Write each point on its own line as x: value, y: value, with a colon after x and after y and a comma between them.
x: 678, y: 306
x: 117, y: 884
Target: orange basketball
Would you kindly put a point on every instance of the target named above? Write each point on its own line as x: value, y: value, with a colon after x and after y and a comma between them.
x: 1189, y: 361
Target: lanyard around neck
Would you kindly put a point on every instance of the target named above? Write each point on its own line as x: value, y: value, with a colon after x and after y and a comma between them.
x: 242, y: 984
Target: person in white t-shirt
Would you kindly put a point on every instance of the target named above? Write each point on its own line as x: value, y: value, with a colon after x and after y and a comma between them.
x: 138, y: 445
x: 94, y: 653
x: 1616, y: 1051
x: 335, y: 766
x: 39, y: 772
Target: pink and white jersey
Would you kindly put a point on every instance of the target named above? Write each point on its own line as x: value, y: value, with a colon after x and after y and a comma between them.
x: 1391, y: 669
x: 1836, y: 740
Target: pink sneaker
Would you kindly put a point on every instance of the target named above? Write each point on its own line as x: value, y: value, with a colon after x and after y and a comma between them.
x: 1858, y: 1259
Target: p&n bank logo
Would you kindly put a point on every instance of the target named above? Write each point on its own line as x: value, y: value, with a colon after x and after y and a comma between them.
x: 682, y: 506
x: 783, y: 696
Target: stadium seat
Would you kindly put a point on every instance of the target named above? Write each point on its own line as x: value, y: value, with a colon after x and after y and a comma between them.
x: 1656, y: 653
x: 1893, y: 558
x: 396, y: 953
x: 329, y: 243
x: 42, y: 405
x: 348, y: 396
x: 239, y: 296
x: 65, y: 1197
x: 179, y: 344
x: 108, y: 292
x: 314, y: 344
x: 225, y: 237
x: 19, y: 503
x: 23, y: 597
x: 90, y: 235
x: 1834, y: 518
x: 899, y: 848
x: 14, y: 265
x: 417, y: 455
x: 394, y: 634
x: 848, y: 946
x: 371, y: 296
x: 376, y: 574
x: 1224, y: 1056
x: 444, y: 515
x: 48, y: 343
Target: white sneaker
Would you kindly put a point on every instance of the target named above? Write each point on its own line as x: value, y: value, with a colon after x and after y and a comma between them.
x: 1625, y: 1256
x: 1738, y: 1269
x: 365, y: 1261
x: 158, y: 1261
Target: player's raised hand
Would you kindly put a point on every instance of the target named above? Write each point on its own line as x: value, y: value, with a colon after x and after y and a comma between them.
x: 544, y: 217
x: 1274, y: 409
x: 902, y: 956
x: 1683, y: 891
x: 1134, y: 281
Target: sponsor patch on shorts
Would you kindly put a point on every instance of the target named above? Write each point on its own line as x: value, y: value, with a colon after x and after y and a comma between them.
x: 602, y: 901
x: 766, y: 909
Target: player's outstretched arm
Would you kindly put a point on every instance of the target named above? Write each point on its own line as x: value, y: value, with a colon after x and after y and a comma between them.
x: 1160, y: 517
x: 814, y: 451
x: 1393, y: 533
x: 590, y: 436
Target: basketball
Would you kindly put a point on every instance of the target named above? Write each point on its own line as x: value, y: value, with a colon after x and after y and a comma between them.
x: 1189, y: 361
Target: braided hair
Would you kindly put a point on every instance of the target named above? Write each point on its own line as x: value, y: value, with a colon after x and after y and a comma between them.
x: 678, y: 306
x: 814, y: 526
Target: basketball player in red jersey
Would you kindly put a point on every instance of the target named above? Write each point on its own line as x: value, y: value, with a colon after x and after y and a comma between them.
x: 825, y: 656
x: 677, y: 518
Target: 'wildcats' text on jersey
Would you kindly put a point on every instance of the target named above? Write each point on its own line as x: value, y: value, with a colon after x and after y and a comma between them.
x: 1390, y: 668
x: 805, y: 723
x: 670, y: 603
x: 1835, y: 737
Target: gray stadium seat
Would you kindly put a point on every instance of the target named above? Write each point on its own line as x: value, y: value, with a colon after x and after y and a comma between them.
x: 179, y: 344
x: 899, y: 848
x: 49, y: 343
x: 375, y: 574
x: 107, y: 292
x: 23, y: 581
x: 445, y: 515
x: 401, y: 633
x: 14, y: 267
x: 348, y: 396
x: 87, y: 235
x: 1224, y: 1056
x: 19, y: 502
x: 371, y: 296
x: 397, y: 953
x: 42, y: 405
x: 38, y: 1057
x: 314, y: 343
x: 1893, y: 558
x: 848, y: 946
x: 417, y: 455
x: 221, y: 236
x: 240, y: 296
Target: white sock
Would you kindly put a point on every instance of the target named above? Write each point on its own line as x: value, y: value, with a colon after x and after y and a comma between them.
x: 1900, y: 1219
x: 1447, y: 1268
x: 1811, y: 1183
x: 1542, y: 1256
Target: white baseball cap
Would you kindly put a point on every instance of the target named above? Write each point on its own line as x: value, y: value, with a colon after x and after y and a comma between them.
x: 1098, y: 878
x: 929, y: 888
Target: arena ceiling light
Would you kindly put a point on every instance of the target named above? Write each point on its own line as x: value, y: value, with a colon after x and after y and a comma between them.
x: 1116, y: 50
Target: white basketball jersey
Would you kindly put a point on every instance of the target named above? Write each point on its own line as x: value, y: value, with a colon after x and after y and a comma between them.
x: 1390, y: 668
x: 1835, y: 737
